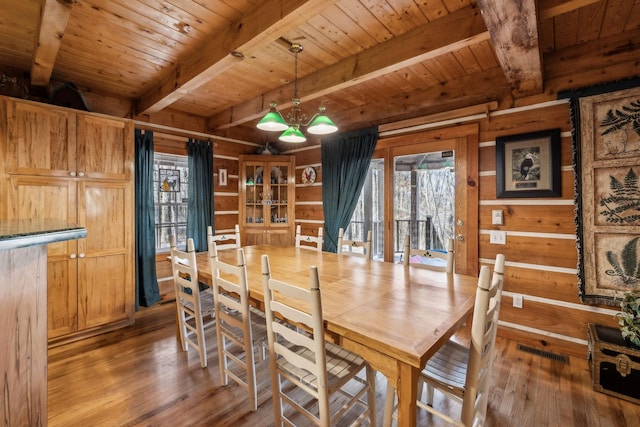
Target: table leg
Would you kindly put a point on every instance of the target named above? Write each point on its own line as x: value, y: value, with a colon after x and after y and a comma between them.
x: 407, y: 394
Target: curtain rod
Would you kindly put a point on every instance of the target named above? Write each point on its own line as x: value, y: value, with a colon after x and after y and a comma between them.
x: 172, y: 131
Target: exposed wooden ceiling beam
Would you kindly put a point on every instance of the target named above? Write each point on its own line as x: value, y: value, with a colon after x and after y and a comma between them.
x: 53, y: 23
x: 455, y: 31
x: 268, y: 21
x: 513, y: 26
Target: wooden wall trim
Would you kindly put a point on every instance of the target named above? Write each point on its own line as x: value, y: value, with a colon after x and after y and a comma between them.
x: 462, y: 131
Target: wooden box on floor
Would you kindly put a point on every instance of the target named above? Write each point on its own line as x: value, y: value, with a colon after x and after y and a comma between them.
x: 615, y: 364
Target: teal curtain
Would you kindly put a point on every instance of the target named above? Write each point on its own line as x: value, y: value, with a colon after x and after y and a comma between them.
x: 345, y: 162
x: 200, y: 208
x: 147, y: 291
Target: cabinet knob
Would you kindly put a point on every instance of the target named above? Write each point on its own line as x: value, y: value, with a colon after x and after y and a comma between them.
x: 72, y: 173
x: 80, y: 173
x: 72, y: 256
x: 81, y: 255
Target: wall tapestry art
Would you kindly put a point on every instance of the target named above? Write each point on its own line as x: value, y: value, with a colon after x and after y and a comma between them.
x: 606, y: 144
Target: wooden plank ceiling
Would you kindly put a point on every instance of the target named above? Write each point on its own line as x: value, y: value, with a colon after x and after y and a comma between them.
x: 368, y: 61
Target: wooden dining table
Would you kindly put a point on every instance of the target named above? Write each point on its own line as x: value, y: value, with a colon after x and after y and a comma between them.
x: 393, y: 316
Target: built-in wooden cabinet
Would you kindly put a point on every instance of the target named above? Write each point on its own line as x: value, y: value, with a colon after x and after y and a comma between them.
x: 267, y: 197
x: 78, y: 167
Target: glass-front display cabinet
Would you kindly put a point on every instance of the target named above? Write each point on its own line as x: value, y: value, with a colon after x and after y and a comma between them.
x: 267, y: 199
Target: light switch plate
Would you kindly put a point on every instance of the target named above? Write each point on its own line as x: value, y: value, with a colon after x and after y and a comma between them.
x: 498, y: 237
x: 496, y: 217
x: 517, y: 300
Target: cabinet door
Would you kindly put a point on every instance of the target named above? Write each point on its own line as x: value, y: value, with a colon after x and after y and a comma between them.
x: 39, y: 197
x: 253, y: 236
x: 280, y: 186
x: 254, y: 192
x: 41, y: 140
x: 279, y: 237
x: 105, y: 260
x: 105, y: 147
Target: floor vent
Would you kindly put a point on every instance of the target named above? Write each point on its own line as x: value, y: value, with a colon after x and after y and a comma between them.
x: 546, y: 354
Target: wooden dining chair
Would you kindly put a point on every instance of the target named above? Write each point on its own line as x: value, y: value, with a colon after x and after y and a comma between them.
x: 428, y: 258
x: 240, y: 333
x: 226, y: 241
x: 462, y: 373
x: 196, y: 312
x: 309, y: 242
x: 354, y: 247
x: 308, y: 374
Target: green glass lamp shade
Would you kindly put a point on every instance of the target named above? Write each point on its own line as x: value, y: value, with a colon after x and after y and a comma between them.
x: 292, y: 135
x: 322, y: 125
x: 272, y: 121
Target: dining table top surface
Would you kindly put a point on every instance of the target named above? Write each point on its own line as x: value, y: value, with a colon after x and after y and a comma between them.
x: 406, y: 313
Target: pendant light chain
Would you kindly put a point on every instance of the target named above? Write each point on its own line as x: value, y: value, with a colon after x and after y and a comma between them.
x: 318, y: 124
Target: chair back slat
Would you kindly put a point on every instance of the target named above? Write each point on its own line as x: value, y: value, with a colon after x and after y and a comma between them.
x: 428, y: 258
x: 226, y: 240
x: 309, y: 242
x: 354, y: 247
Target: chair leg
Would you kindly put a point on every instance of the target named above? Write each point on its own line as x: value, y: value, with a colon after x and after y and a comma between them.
x: 389, y: 405
x: 371, y: 394
x: 429, y: 394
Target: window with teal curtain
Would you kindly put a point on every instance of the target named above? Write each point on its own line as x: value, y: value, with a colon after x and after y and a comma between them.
x: 345, y: 162
x: 200, y: 214
x: 147, y: 291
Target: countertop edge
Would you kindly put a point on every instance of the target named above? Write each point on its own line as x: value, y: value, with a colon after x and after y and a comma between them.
x: 42, y: 238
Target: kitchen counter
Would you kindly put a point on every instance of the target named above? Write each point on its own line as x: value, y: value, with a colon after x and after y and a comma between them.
x: 23, y: 318
x: 22, y: 233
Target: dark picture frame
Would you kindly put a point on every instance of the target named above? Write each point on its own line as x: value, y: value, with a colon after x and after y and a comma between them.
x: 528, y: 165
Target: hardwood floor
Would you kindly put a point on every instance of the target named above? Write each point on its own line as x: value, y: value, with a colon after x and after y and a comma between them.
x: 138, y: 376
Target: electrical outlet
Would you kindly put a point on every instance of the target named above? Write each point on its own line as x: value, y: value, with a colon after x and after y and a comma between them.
x: 518, y: 299
x: 497, y: 237
x: 496, y: 217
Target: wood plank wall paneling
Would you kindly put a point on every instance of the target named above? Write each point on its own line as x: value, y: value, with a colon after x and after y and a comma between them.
x: 225, y: 202
x: 545, y: 317
x: 488, y: 186
x: 532, y: 249
x: 306, y: 214
x: 528, y: 282
x: 309, y: 193
x: 548, y: 218
x: 309, y: 212
x: 306, y: 157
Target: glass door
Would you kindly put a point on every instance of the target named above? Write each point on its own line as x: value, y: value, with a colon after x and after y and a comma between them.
x: 433, y: 195
x: 423, y: 200
x: 369, y: 211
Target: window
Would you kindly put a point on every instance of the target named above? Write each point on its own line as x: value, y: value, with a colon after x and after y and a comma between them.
x: 170, y: 197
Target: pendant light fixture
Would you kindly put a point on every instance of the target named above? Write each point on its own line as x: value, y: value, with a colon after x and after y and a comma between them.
x: 318, y: 124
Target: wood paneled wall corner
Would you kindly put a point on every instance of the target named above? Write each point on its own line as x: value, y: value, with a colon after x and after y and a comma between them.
x: 309, y: 211
x: 4, y: 181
